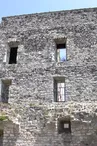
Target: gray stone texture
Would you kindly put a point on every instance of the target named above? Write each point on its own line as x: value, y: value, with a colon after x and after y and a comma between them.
x: 33, y: 113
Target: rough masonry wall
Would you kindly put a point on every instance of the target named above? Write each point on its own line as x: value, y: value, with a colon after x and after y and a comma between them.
x: 32, y: 76
x: 36, y: 54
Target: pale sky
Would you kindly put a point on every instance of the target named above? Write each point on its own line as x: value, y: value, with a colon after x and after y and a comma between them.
x: 18, y: 7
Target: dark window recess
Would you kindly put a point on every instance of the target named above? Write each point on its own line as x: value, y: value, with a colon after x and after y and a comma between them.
x: 5, y: 90
x: 13, y: 55
x: 59, y: 90
x: 61, y: 52
x: 64, y: 127
x: 1, y: 137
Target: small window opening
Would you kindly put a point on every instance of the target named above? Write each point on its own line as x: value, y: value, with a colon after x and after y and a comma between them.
x: 5, y: 90
x: 59, y: 89
x: 61, y: 52
x: 64, y: 126
x: 13, y: 55
x: 1, y: 137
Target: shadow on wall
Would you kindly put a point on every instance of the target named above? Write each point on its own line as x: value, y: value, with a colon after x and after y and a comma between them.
x: 43, y: 131
x: 40, y: 128
x: 91, y: 140
x: 10, y: 133
x: 48, y: 135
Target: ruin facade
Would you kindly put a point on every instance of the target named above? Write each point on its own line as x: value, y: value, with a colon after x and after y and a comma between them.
x: 48, y: 79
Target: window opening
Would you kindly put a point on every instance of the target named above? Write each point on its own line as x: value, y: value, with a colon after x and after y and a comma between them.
x: 61, y: 52
x: 13, y: 55
x: 59, y: 90
x: 64, y: 126
x: 5, y: 90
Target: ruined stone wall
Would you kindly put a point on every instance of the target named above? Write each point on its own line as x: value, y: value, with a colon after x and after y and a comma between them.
x: 31, y: 92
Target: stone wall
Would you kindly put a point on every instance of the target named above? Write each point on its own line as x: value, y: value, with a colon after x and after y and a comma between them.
x: 31, y: 91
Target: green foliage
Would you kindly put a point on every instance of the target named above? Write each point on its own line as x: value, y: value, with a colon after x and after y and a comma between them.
x: 3, y: 118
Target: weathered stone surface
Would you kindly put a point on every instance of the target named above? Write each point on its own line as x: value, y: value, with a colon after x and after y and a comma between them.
x: 33, y: 115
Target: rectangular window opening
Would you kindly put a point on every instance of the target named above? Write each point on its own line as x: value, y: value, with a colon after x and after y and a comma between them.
x: 13, y: 55
x: 59, y: 90
x: 5, y: 90
x: 61, y: 52
x: 64, y: 126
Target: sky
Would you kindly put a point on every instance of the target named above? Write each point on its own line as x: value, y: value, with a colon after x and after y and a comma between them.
x: 18, y: 7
